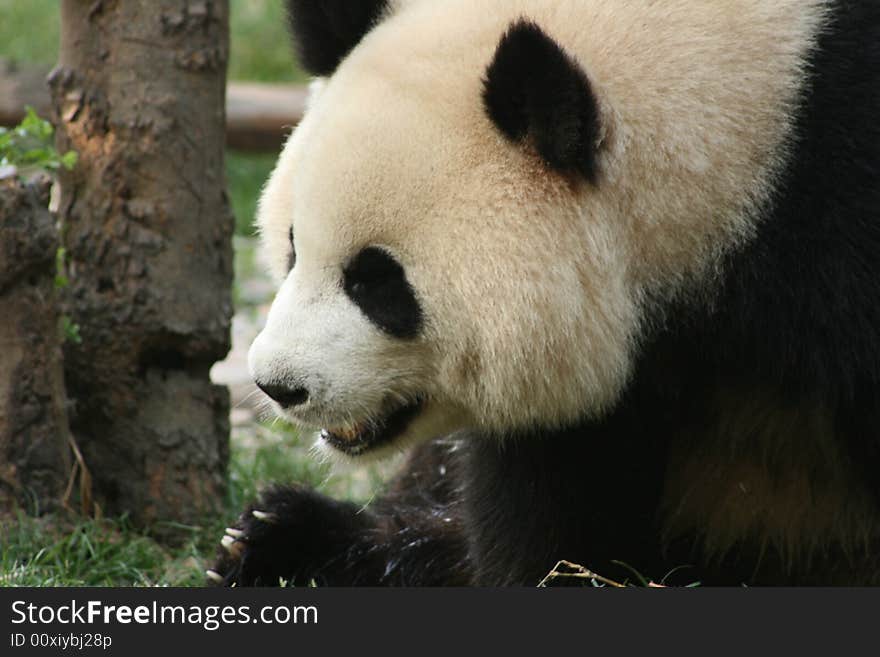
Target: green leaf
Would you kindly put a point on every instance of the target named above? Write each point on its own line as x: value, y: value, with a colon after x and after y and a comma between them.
x: 70, y: 330
x: 29, y: 145
x: 69, y: 159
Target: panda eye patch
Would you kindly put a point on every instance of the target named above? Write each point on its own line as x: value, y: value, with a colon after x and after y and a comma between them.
x: 291, y: 258
x: 377, y: 284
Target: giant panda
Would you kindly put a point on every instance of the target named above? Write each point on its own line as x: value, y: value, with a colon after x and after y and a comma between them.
x: 607, y: 270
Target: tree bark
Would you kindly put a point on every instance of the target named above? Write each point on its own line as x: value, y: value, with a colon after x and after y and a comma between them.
x: 139, y: 94
x: 34, y: 437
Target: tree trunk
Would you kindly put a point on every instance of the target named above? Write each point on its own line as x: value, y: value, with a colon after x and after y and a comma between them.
x: 139, y: 94
x: 34, y: 438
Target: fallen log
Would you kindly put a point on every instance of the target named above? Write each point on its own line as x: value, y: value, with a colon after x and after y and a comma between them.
x: 259, y: 116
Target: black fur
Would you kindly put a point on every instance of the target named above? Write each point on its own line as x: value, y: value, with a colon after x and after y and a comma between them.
x: 800, y: 305
x: 796, y: 325
x: 325, y: 31
x: 411, y: 537
x: 534, y: 90
x: 377, y: 284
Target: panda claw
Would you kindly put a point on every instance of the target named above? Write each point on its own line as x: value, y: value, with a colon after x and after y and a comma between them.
x: 264, y: 516
x: 214, y: 576
x: 232, y: 546
x: 234, y: 533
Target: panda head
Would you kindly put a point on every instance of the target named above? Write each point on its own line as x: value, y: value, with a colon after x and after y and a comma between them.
x: 448, y: 253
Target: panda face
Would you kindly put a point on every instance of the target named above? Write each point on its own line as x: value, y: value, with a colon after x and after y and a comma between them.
x: 341, y: 349
x: 349, y: 326
x: 432, y: 270
x: 466, y: 236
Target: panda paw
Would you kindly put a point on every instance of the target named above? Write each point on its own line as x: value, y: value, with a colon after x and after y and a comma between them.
x: 290, y: 536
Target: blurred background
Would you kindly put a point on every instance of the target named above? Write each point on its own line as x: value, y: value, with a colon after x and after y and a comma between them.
x: 260, y: 52
x: 62, y: 550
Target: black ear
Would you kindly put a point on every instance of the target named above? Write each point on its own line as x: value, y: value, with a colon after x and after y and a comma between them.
x: 325, y: 31
x: 534, y: 90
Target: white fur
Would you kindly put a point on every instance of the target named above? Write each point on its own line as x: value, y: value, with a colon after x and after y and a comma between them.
x: 534, y: 286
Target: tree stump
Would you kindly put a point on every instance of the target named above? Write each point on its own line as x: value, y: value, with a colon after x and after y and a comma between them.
x: 139, y: 94
x: 34, y: 437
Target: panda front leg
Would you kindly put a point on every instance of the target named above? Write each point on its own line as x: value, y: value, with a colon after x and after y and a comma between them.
x: 295, y: 536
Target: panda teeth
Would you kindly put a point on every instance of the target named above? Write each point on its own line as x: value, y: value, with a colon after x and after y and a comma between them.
x: 349, y: 434
x: 352, y: 432
x: 355, y: 439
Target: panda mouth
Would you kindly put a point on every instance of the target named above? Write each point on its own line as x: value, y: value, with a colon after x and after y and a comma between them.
x: 362, y: 437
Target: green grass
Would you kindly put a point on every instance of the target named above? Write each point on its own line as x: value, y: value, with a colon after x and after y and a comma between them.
x: 277, y: 452
x: 62, y: 551
x: 65, y: 550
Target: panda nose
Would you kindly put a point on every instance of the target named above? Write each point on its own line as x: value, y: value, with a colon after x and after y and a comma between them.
x: 284, y: 395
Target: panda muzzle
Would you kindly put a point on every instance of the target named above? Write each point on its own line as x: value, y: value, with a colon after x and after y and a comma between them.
x: 362, y: 437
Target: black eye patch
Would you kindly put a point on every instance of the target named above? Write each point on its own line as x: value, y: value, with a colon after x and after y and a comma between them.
x: 377, y: 284
x: 291, y: 258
